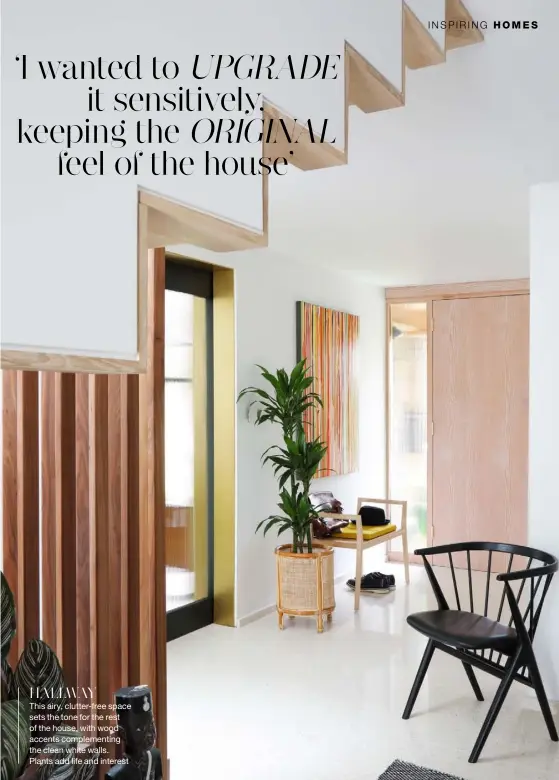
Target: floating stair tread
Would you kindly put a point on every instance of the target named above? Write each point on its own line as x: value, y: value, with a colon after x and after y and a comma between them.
x: 171, y: 223
x: 368, y: 89
x: 305, y: 153
x: 457, y: 12
x: 420, y: 48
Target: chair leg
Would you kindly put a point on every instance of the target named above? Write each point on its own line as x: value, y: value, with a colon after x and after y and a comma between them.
x: 494, y: 710
x: 406, y: 556
x: 473, y: 681
x: 358, y: 575
x: 420, y: 676
x: 537, y: 682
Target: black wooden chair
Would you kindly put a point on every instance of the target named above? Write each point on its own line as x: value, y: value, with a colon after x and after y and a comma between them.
x: 504, y: 649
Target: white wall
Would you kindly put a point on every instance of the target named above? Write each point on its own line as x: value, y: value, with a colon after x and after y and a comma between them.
x: 544, y: 410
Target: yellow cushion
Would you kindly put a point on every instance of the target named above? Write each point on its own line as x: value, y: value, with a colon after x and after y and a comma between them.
x: 369, y: 531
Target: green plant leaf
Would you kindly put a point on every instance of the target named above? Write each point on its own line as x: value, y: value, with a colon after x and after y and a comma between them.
x: 286, y: 403
x: 291, y: 445
x: 268, y: 376
x: 16, y: 733
x: 57, y: 756
x: 262, y: 522
x: 8, y: 616
x: 38, y: 676
x: 271, y: 522
x: 9, y: 689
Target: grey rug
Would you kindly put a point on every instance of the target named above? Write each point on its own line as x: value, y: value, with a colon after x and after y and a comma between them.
x: 399, y: 770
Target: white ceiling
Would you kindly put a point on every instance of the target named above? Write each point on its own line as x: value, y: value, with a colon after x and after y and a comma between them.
x: 437, y: 191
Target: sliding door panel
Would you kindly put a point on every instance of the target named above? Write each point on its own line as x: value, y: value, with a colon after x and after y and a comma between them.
x: 480, y: 414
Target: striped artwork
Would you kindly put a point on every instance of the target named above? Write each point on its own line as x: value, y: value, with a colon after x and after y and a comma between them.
x: 328, y: 340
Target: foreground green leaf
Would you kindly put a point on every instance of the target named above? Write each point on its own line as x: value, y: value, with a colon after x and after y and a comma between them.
x: 8, y: 615
x: 16, y: 733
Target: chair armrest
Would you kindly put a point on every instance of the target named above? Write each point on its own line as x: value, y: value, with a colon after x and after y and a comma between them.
x: 389, y: 501
x: 333, y: 516
x: 398, y: 501
x: 524, y: 574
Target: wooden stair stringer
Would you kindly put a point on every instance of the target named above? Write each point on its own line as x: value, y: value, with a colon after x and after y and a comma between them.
x: 365, y: 87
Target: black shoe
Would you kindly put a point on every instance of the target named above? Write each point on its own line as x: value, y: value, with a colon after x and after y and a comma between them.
x: 375, y: 582
x: 390, y: 579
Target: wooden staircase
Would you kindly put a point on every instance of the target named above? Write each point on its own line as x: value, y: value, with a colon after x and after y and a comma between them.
x: 166, y: 223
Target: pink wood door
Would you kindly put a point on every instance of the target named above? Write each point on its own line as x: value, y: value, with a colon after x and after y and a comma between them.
x: 480, y: 416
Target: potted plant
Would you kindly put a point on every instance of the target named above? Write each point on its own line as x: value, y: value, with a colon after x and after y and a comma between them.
x: 305, y: 568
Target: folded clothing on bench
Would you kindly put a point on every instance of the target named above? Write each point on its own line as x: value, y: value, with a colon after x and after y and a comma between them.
x: 369, y: 532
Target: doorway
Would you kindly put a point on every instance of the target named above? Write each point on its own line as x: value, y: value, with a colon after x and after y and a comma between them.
x: 407, y: 384
x: 457, y: 411
x: 188, y: 434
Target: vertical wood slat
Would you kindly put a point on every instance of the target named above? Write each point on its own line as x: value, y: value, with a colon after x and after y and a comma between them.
x: 28, y: 506
x: 9, y: 488
x: 99, y: 465
x: 58, y: 518
x: 134, y: 601
x: 124, y: 515
x: 85, y: 627
x: 50, y: 561
x: 117, y: 608
x: 146, y: 542
x: 66, y: 500
x: 151, y: 635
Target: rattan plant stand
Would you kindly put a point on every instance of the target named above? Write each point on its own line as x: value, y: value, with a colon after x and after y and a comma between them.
x: 305, y: 583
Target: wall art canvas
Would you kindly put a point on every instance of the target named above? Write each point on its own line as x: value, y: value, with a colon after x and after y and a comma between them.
x: 328, y: 341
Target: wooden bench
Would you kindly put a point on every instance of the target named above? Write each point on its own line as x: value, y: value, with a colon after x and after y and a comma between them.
x: 359, y: 544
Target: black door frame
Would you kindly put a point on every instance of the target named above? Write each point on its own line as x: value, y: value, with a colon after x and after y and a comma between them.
x: 181, y: 276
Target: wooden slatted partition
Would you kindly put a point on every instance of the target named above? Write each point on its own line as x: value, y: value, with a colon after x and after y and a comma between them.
x: 83, y: 517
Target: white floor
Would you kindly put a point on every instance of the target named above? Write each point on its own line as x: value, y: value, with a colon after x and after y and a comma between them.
x: 259, y: 704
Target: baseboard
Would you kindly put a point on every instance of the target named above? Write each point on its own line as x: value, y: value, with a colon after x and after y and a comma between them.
x: 260, y: 613
x: 254, y: 616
